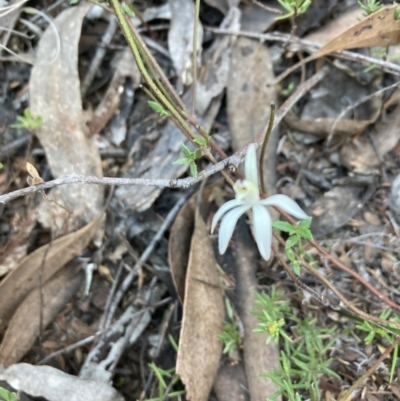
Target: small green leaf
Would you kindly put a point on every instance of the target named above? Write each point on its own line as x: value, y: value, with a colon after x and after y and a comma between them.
x: 180, y: 162
x: 304, y: 233
x: 200, y: 141
x: 283, y: 226
x: 185, y: 150
x: 197, y: 154
x: 306, y: 223
x: 73, y: 2
x: 291, y: 241
x: 1, y: 165
x: 157, y: 107
x: 296, y: 267
x: 127, y: 10
x: 193, y: 169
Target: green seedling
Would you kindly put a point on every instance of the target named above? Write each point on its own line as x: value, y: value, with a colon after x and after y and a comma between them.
x: 302, y: 361
x: 157, y: 107
x: 396, y: 14
x: 231, y: 335
x: 6, y: 395
x: 163, y: 375
x: 293, y: 8
x: 380, y: 331
x: 296, y: 234
x: 270, y: 312
x: 370, y: 6
x: 190, y: 159
x: 289, y: 90
x: 27, y: 121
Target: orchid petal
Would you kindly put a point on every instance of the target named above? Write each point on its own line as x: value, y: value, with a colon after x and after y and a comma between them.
x: 228, y: 225
x: 262, y: 230
x: 250, y: 165
x: 222, y: 210
x: 286, y: 204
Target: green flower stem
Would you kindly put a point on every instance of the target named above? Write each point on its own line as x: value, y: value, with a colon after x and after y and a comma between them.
x: 154, y: 67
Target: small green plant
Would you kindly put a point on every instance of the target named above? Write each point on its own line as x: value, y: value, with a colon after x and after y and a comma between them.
x: 163, y: 375
x: 303, y: 360
x: 376, y: 331
x: 293, y: 8
x: 370, y: 6
x: 270, y: 311
x: 27, y: 121
x: 190, y: 158
x: 6, y: 395
x: 289, y: 90
x: 158, y: 108
x: 293, y: 242
x: 396, y: 14
x: 231, y: 335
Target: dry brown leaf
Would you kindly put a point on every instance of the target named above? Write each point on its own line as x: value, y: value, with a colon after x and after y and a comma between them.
x: 321, y: 127
x: 214, y: 73
x: 180, y: 39
x: 34, y: 177
x: 54, y: 385
x: 259, y: 357
x: 378, y: 29
x: 203, y: 314
x: 24, y: 326
x: 248, y: 95
x: 180, y: 237
x: 336, y: 27
x: 54, y: 92
x: 17, y: 246
x: 179, y: 245
x: 334, y: 209
x: 23, y: 279
x: 359, y: 154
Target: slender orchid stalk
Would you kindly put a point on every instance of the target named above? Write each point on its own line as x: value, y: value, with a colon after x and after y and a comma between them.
x: 248, y: 197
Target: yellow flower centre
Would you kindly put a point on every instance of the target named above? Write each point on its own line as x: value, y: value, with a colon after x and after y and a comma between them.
x: 246, y: 191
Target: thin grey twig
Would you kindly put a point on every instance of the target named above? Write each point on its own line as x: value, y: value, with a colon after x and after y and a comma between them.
x: 10, y: 147
x: 232, y: 162
x: 301, y: 44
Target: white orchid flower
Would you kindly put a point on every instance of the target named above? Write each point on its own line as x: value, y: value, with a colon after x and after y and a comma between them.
x: 248, y: 197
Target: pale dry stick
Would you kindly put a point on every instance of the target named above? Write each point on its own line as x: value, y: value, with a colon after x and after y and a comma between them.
x: 232, y: 162
x: 70, y: 348
x: 348, y: 395
x: 301, y: 44
x: 99, y: 55
x: 9, y: 9
x: 354, y: 105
